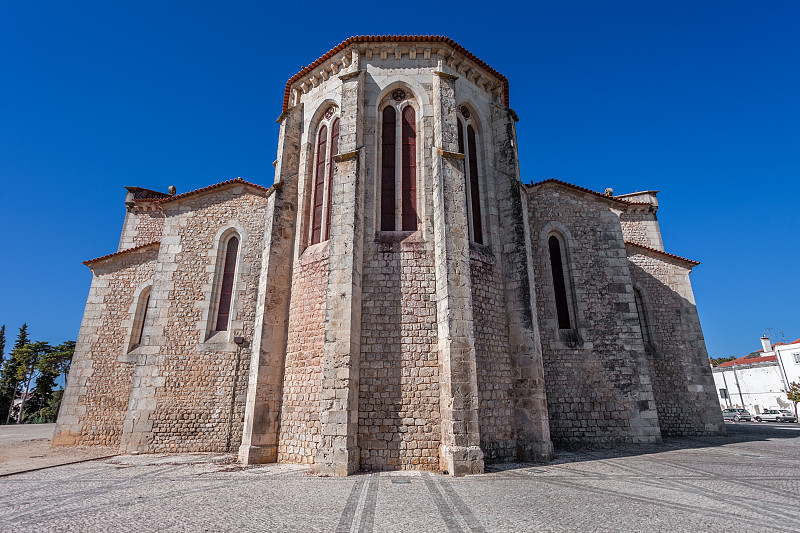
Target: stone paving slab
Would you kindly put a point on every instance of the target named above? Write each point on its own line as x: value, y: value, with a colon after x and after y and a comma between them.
x: 749, y: 481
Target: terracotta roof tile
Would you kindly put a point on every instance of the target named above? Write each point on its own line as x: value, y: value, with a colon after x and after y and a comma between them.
x: 90, y: 261
x: 745, y: 361
x: 210, y: 187
x: 583, y: 189
x: 673, y: 256
x: 390, y: 39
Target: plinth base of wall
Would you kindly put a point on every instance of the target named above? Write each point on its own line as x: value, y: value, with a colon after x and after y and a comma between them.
x: 461, y: 460
x: 256, y: 455
x: 337, y: 462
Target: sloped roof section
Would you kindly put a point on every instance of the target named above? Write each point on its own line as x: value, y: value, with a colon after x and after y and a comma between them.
x: 123, y: 252
x: 554, y: 181
x: 394, y: 39
x: 235, y: 181
x: 667, y: 254
x: 748, y: 360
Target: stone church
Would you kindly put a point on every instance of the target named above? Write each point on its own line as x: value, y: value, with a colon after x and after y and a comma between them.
x: 397, y: 299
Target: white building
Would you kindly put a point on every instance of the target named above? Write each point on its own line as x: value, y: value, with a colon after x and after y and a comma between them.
x: 758, y: 380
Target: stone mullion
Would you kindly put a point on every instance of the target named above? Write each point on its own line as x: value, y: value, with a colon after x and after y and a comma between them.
x: 531, y: 425
x: 338, y: 452
x: 268, y: 345
x: 460, y: 451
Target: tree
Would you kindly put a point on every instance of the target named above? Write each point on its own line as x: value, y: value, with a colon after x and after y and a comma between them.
x: 2, y: 344
x: 719, y: 360
x: 793, y: 393
x: 28, y: 369
x: 41, y: 405
x: 61, y: 358
x: 9, y: 384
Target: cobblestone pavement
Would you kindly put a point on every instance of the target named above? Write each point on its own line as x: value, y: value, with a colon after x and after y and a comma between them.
x: 748, y: 481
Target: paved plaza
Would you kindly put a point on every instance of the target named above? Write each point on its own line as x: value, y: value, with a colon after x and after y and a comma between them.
x: 748, y: 481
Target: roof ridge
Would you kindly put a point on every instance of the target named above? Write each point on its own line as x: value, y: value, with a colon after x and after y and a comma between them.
x: 135, y: 248
x: 209, y: 187
x: 356, y: 39
x: 663, y: 252
x: 584, y: 189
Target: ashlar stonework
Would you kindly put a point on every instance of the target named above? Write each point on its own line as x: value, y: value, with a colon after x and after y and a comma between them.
x: 397, y: 299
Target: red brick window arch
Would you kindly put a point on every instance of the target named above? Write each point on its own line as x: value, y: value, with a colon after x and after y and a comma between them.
x: 326, y: 146
x: 469, y: 146
x: 398, y: 167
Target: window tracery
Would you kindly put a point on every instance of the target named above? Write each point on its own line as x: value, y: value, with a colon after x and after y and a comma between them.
x: 469, y: 147
x: 326, y: 147
x: 398, y: 182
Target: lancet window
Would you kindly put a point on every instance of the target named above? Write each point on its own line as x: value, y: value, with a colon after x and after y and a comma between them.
x: 469, y: 147
x: 398, y: 209
x: 139, y: 317
x: 559, y: 283
x: 225, y: 287
x: 640, y: 310
x: 326, y: 147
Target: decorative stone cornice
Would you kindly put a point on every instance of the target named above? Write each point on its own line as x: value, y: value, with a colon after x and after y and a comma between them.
x: 445, y: 75
x: 350, y: 75
x: 451, y: 155
x: 347, y: 155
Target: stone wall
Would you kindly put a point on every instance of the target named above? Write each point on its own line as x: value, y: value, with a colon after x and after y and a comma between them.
x: 683, y: 385
x: 298, y: 436
x: 190, y: 382
x: 143, y: 224
x: 399, y: 424
x: 597, y: 376
x: 99, y: 384
x: 494, y: 369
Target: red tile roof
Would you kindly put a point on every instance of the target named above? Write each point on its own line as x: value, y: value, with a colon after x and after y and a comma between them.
x: 673, y: 256
x: 115, y: 254
x: 391, y: 39
x: 234, y: 181
x: 745, y: 361
x: 583, y: 189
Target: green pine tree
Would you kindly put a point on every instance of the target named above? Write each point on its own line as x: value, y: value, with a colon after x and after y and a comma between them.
x: 29, y: 371
x: 9, y: 384
x: 2, y: 344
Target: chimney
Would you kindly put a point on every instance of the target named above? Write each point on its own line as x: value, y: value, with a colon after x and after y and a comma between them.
x: 765, y: 344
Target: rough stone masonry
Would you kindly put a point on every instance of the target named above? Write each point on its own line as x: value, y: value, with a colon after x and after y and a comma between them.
x: 397, y: 299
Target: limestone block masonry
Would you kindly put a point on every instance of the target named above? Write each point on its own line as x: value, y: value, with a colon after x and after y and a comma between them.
x: 394, y: 300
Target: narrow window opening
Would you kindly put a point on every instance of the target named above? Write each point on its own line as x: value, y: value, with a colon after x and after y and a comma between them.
x: 643, y: 325
x: 472, y: 160
x: 319, y: 186
x: 559, y: 285
x: 388, y: 169
x: 334, y: 151
x: 144, y: 317
x: 409, y: 178
x: 226, y: 287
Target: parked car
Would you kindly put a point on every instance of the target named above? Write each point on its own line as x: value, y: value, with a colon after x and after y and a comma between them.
x: 736, y: 414
x: 776, y: 415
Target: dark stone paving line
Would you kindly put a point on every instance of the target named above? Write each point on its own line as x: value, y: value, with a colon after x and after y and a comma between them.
x: 368, y: 514
x: 462, y: 508
x: 685, y: 508
x: 59, y: 464
x: 349, y: 512
x: 444, y: 510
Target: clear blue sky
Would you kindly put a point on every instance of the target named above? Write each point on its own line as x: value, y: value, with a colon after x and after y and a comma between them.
x: 696, y: 99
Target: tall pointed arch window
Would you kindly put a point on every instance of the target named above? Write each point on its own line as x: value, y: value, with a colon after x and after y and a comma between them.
x: 326, y: 146
x: 559, y: 283
x: 468, y: 145
x: 398, y: 209
x: 226, y: 284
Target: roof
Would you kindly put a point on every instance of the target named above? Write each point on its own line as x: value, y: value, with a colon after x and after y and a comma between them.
x: 390, y: 39
x: 235, y: 181
x: 748, y: 360
x: 123, y: 252
x: 583, y: 189
x: 660, y: 252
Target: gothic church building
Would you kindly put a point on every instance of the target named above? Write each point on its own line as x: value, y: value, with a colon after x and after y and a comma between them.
x: 397, y: 299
